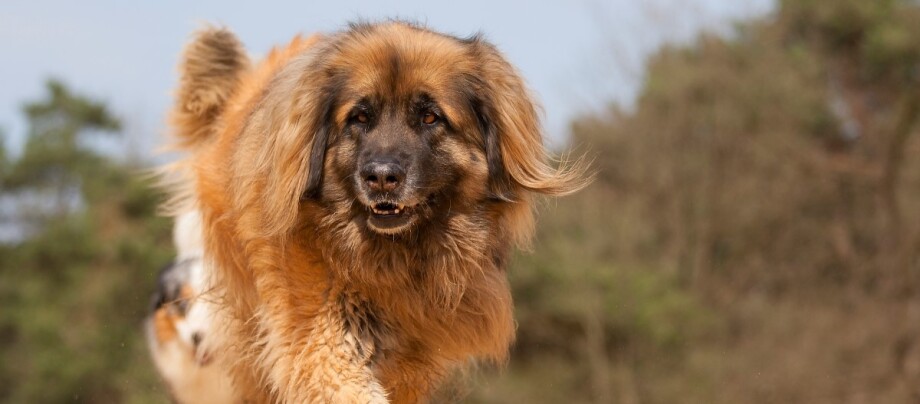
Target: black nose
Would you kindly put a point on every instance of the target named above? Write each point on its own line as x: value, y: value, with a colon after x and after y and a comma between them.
x: 383, y: 177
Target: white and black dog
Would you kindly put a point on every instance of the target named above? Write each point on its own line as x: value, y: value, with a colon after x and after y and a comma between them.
x: 179, y: 321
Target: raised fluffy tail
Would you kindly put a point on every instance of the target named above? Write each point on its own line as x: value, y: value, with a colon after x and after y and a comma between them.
x: 210, y: 71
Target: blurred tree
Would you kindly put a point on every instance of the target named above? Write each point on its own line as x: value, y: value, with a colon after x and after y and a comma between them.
x: 56, y: 158
x: 754, y: 234
x: 74, y: 287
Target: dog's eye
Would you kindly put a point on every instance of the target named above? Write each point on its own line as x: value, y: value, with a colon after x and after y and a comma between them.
x: 361, y: 117
x: 429, y: 118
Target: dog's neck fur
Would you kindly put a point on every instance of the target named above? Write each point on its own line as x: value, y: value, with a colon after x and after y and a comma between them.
x: 434, y: 300
x: 432, y: 303
x: 437, y: 274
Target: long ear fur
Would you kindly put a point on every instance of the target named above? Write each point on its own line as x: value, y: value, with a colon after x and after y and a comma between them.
x: 210, y: 72
x: 512, y: 134
x: 319, y: 144
x: 296, y: 110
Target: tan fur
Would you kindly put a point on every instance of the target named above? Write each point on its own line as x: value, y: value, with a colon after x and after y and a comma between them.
x: 187, y: 379
x: 210, y: 71
x: 314, y: 307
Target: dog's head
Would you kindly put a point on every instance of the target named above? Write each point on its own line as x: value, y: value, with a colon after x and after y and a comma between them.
x: 410, y: 124
x: 390, y: 127
x: 410, y: 128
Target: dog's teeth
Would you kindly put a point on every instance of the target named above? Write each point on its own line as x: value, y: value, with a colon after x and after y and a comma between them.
x: 397, y: 211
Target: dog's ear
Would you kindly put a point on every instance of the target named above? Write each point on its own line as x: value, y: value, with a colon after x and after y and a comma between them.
x: 318, y: 151
x: 317, y: 157
x: 209, y: 73
x: 512, y: 133
x: 500, y: 185
x: 299, y: 146
x: 282, y: 140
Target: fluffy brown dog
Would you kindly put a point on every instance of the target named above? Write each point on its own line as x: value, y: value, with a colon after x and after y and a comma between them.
x: 360, y: 193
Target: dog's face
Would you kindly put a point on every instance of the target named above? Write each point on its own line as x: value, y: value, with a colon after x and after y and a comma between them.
x: 390, y: 128
x: 406, y: 130
x: 399, y: 155
x: 406, y: 139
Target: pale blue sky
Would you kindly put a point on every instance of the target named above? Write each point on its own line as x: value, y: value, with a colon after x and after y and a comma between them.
x: 577, y: 55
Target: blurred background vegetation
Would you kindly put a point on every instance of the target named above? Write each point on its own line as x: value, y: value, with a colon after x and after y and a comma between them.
x: 753, y: 235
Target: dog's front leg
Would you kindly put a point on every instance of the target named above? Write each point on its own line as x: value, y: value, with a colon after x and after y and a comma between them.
x: 329, y: 365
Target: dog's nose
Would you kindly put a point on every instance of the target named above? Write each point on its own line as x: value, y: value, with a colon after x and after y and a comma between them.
x: 383, y: 176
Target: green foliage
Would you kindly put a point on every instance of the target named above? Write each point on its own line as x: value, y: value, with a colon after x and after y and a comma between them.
x: 74, y: 292
x: 891, y: 47
x: 880, y: 35
x: 837, y: 24
x: 53, y: 155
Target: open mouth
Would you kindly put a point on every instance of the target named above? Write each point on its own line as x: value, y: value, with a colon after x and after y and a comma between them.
x: 389, y: 209
x: 389, y: 217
